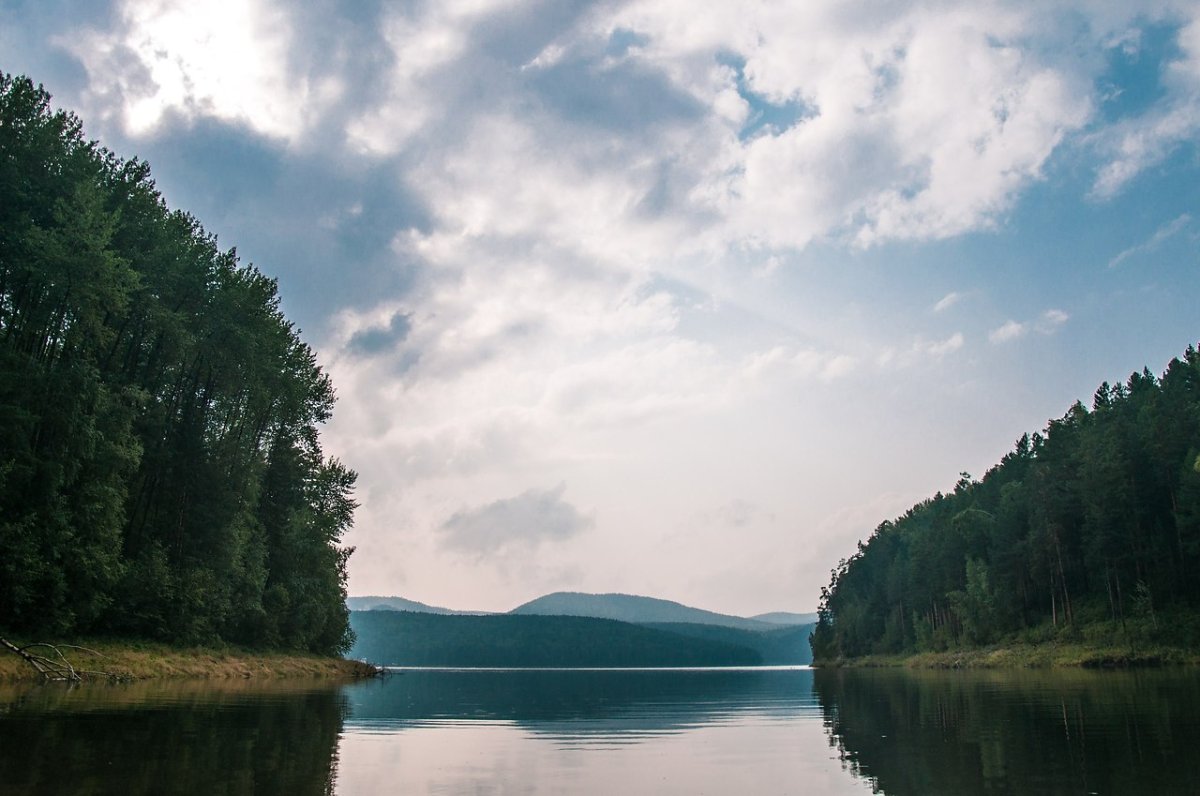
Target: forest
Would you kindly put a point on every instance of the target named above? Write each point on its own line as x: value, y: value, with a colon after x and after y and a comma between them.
x: 1088, y: 531
x: 780, y: 646
x: 406, y: 638
x: 161, y: 474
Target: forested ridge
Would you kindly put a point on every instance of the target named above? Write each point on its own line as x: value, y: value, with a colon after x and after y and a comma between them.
x: 1088, y: 531
x: 406, y: 638
x: 160, y: 469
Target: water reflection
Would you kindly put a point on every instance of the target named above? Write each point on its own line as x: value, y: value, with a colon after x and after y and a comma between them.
x: 170, y: 739
x: 660, y: 731
x: 589, y: 732
x: 581, y: 702
x: 1072, y: 732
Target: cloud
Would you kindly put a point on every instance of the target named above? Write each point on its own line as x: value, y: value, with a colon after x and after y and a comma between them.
x: 1048, y: 323
x: 1051, y: 320
x: 1010, y: 330
x: 947, y: 301
x: 807, y: 363
x: 226, y: 61
x: 939, y: 348
x: 323, y: 225
x: 376, y: 339
x: 1163, y: 233
x: 1136, y: 144
x: 527, y: 520
x: 924, y: 123
x: 920, y: 350
x: 919, y: 121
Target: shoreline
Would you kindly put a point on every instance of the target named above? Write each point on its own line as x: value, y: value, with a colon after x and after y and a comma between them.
x: 128, y: 661
x: 1049, y: 655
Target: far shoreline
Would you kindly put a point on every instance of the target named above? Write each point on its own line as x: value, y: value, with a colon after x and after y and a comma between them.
x: 1049, y: 655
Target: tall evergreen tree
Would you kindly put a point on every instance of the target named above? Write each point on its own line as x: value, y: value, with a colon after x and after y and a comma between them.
x: 161, y: 472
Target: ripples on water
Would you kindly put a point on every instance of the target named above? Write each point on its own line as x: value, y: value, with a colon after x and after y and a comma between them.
x: 746, y: 731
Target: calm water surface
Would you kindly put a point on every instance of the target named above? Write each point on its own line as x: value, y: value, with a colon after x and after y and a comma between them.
x: 746, y: 731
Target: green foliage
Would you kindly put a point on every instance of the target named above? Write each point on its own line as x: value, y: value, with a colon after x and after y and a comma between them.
x: 160, y: 470
x: 1095, y: 522
x: 975, y: 606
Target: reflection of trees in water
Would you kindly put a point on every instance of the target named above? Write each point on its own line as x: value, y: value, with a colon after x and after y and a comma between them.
x: 187, y: 742
x: 1014, y: 732
x: 580, y: 701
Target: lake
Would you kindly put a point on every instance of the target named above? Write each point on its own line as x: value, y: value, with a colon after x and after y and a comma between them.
x: 742, y: 731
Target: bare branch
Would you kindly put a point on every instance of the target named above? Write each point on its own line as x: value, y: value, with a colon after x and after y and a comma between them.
x: 57, y: 667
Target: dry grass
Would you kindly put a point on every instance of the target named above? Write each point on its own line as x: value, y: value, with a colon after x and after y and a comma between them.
x: 134, y: 660
x: 1040, y: 656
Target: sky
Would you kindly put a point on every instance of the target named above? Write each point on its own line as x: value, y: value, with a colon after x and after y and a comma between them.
x: 664, y: 297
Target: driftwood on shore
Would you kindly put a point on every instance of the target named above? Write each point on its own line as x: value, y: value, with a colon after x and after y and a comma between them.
x: 54, y: 665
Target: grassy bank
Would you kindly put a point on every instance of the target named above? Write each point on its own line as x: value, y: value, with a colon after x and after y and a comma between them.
x: 135, y: 660
x: 1044, y: 655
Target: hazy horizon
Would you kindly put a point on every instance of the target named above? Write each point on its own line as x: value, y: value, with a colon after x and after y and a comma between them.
x: 468, y: 609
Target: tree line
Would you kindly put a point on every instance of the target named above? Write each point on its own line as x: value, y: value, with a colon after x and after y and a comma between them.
x: 1089, y: 529
x: 407, y: 638
x: 160, y: 469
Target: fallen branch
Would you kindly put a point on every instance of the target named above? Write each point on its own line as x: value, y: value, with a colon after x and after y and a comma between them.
x: 56, y: 666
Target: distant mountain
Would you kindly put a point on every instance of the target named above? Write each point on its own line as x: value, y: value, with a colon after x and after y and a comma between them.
x: 632, y: 608
x: 398, y: 604
x: 404, y: 638
x: 780, y: 646
x: 786, y: 618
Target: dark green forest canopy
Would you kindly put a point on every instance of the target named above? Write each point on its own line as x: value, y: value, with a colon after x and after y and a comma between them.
x: 160, y: 468
x: 1089, y: 530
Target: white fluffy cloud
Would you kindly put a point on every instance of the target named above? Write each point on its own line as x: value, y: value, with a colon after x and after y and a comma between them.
x: 919, y: 121
x: 924, y: 122
x: 914, y: 122
x: 228, y: 61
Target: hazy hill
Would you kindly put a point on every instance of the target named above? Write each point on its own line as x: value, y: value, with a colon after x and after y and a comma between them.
x: 779, y: 646
x: 632, y: 608
x: 399, y: 604
x: 786, y: 618
x: 405, y: 638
